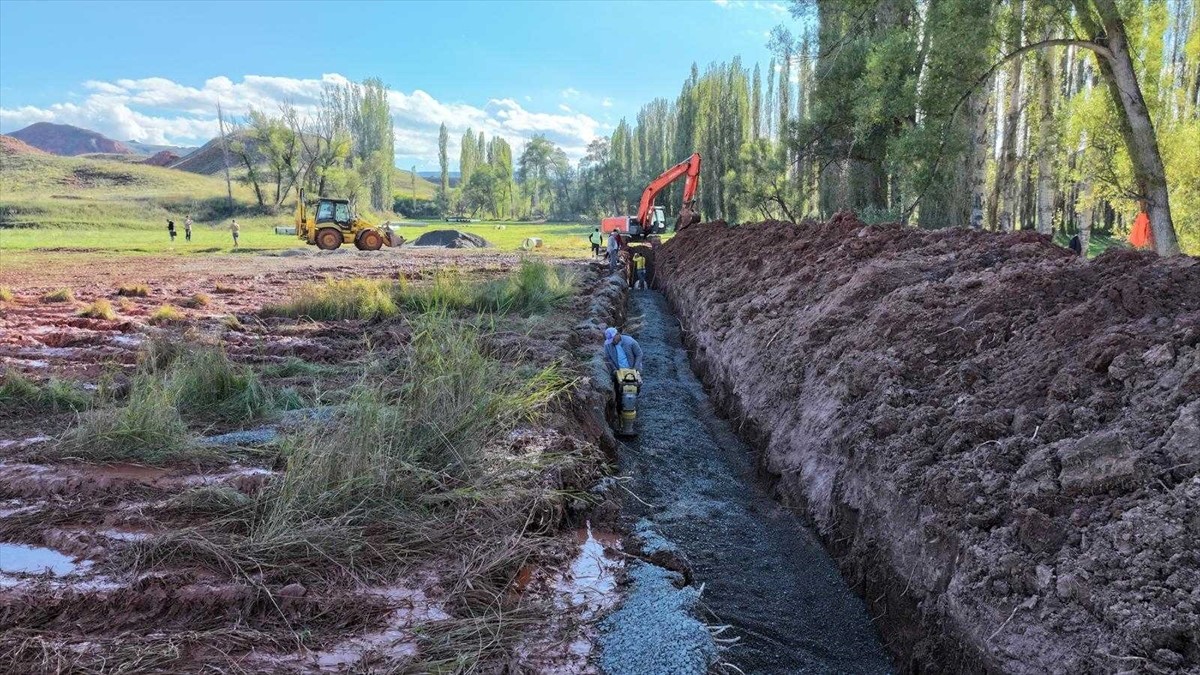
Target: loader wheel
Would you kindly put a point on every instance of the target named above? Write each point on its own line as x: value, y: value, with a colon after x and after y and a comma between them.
x: 328, y: 239
x: 369, y: 240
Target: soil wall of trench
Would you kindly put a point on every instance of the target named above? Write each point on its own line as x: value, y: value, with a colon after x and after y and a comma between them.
x: 998, y: 442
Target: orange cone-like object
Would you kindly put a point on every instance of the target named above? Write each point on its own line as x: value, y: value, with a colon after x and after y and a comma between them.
x: 1140, y: 236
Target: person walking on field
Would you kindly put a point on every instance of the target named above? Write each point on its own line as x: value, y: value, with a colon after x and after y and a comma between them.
x: 596, y: 238
x: 614, y: 251
x: 171, y: 229
x: 235, y: 229
x: 187, y: 229
x: 1141, y: 236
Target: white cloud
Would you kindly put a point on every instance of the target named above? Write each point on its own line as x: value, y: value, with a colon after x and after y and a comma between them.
x: 607, y: 102
x: 159, y: 110
x: 721, y: 3
x: 570, y: 92
x: 564, y: 107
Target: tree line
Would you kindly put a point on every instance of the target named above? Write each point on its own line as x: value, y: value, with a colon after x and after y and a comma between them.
x: 1055, y: 115
x: 344, y: 148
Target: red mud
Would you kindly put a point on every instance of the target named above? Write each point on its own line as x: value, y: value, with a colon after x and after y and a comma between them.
x: 106, y: 609
x: 998, y: 441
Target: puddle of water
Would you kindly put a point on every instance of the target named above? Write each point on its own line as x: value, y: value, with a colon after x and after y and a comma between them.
x: 411, y: 609
x: 23, y: 559
x: 24, y: 442
x: 591, y: 579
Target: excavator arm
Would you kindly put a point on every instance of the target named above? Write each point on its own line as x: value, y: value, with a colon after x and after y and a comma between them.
x: 689, y: 167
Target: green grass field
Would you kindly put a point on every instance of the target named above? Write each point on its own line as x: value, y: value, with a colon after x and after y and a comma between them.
x: 52, y: 203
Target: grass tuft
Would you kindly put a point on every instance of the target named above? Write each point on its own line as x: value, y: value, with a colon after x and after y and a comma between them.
x: 147, y: 428
x: 197, y: 300
x: 6, y: 294
x: 291, y: 367
x: 166, y: 314
x: 206, y: 384
x: 99, y: 309
x: 339, y: 299
x: 134, y: 291
x: 59, y: 295
x: 19, y: 393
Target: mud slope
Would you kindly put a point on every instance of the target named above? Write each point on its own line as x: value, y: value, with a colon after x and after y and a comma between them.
x: 999, y: 443
x: 763, y: 573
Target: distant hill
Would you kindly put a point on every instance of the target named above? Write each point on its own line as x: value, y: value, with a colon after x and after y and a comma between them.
x: 67, y: 140
x: 208, y: 159
x: 435, y: 177
x: 149, y: 149
x: 162, y: 158
x: 15, y: 146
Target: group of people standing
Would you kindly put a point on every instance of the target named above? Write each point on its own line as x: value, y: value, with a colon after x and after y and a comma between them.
x: 613, y: 248
x: 234, y: 229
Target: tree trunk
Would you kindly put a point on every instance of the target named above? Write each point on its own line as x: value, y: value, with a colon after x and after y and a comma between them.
x: 1045, y: 171
x: 1136, y: 126
x: 980, y: 148
x: 1002, y: 191
x: 1086, y: 210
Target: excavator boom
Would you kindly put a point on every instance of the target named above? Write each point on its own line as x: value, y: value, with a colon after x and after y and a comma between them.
x: 689, y: 167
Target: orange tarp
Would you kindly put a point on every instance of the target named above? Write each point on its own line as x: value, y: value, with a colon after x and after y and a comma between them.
x: 1141, y: 236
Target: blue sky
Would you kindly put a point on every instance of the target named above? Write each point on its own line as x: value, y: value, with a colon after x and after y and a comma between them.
x: 152, y: 71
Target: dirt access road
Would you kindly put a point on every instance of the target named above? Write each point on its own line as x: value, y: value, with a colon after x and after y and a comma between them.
x: 763, y: 572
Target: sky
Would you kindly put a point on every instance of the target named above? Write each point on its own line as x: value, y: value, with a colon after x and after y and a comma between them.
x: 154, y: 71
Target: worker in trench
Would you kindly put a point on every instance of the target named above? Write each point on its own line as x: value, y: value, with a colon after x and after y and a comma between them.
x: 622, y: 352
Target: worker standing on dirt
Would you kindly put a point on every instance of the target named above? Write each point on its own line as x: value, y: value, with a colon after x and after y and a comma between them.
x: 171, y: 229
x: 596, y: 239
x: 621, y: 351
x: 187, y: 229
x: 235, y: 229
x: 614, y: 252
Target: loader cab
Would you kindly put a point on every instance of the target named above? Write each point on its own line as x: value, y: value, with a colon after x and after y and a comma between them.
x: 335, y: 211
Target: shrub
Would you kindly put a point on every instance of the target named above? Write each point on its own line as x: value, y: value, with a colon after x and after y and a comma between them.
x: 19, y: 393
x: 166, y: 314
x: 99, y: 309
x: 59, y: 295
x: 133, y: 291
x: 534, y: 288
x: 338, y: 299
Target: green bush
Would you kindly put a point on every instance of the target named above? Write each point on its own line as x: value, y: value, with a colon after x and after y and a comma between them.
x: 166, y: 314
x: 338, y: 299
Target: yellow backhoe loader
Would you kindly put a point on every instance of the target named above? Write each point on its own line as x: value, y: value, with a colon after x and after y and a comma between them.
x: 333, y: 223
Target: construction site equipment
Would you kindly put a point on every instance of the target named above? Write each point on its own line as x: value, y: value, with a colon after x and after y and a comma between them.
x: 651, y: 219
x: 628, y: 384
x: 334, y: 223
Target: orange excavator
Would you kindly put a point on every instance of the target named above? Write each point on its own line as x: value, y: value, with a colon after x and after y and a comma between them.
x: 650, y: 219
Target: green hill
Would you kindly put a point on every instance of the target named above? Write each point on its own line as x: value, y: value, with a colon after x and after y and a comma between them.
x: 48, y: 191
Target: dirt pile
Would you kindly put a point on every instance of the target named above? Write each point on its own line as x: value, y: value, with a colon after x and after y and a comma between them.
x: 999, y: 442
x: 451, y: 239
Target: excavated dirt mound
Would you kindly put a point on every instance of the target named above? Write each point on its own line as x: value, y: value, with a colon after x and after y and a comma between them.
x: 451, y: 239
x: 998, y: 441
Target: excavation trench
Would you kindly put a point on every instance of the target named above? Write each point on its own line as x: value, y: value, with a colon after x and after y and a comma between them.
x: 693, y: 481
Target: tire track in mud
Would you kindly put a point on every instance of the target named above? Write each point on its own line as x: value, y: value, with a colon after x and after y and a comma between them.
x: 763, y: 572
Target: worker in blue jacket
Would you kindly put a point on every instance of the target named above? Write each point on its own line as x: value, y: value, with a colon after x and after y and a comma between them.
x: 621, y: 351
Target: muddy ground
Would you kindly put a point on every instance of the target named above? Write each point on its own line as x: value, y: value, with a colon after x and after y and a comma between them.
x: 999, y: 442
x: 74, y: 596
